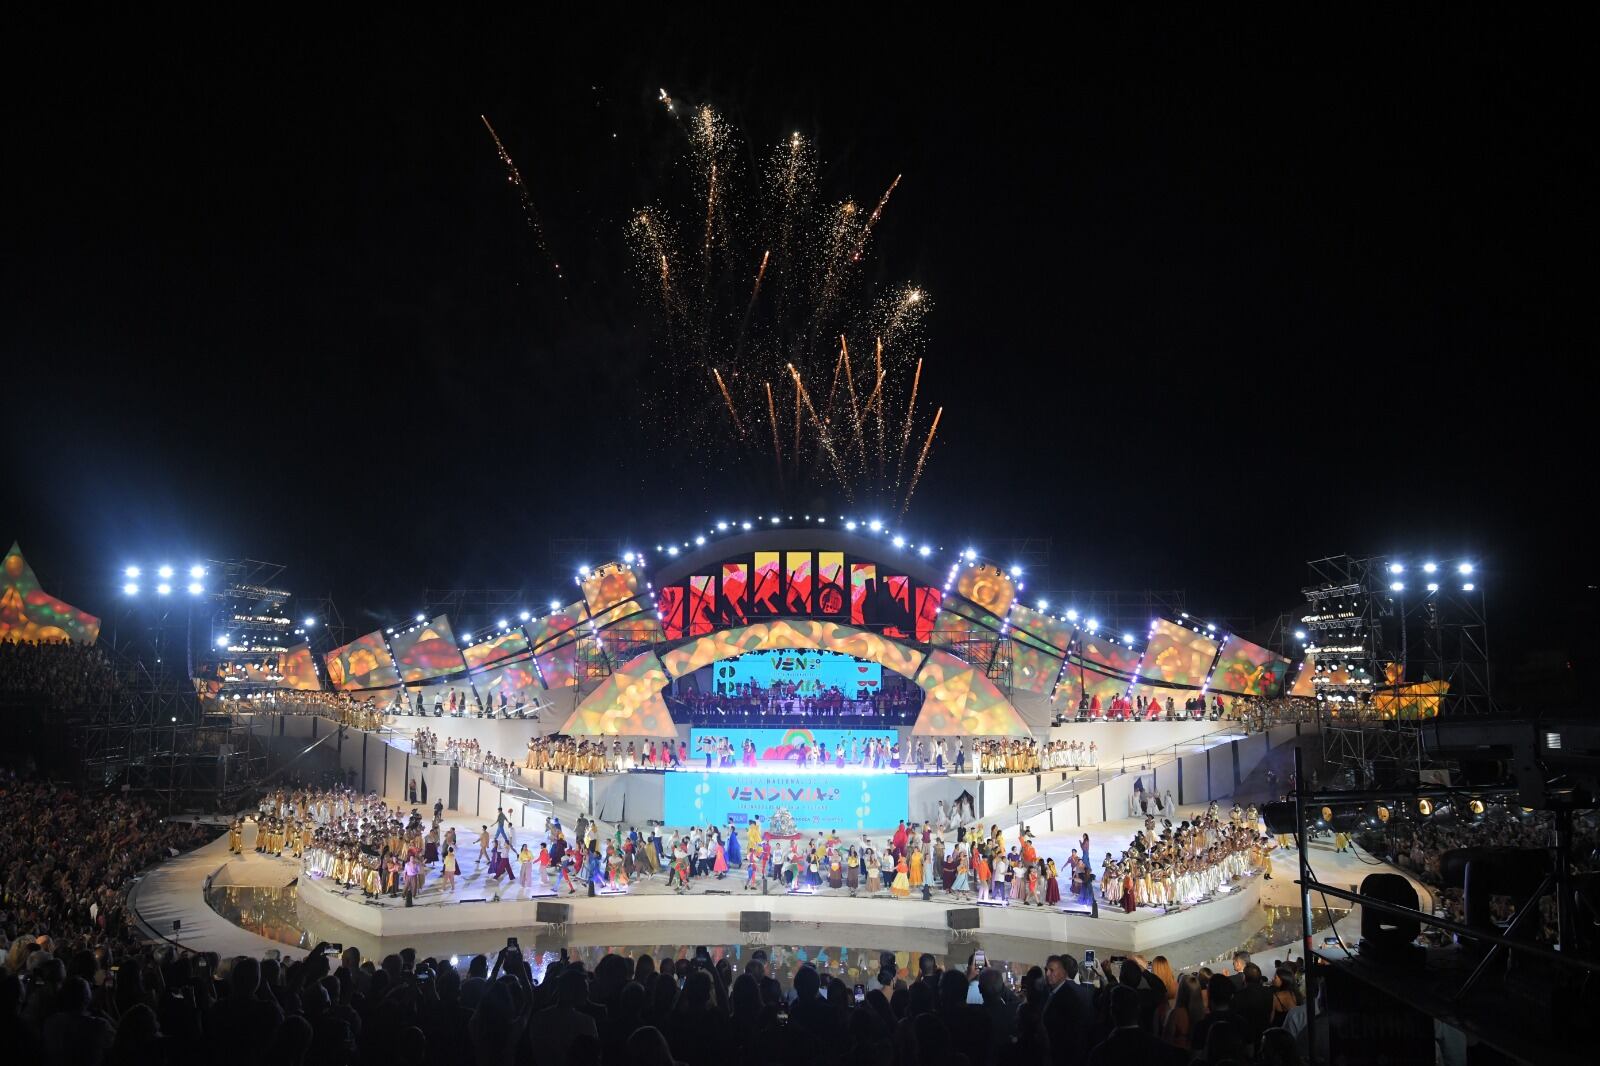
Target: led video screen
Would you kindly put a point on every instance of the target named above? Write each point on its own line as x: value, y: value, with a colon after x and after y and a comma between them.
x: 987, y: 586
x: 644, y: 627
x: 960, y: 701
x: 1096, y: 685
x: 610, y: 593
x: 1303, y: 685
x: 1069, y: 689
x: 1033, y: 670
x: 735, y: 593
x: 766, y: 589
x: 797, y: 594
x: 816, y: 802
x: 781, y: 745
x: 1117, y: 658
x: 298, y: 670
x: 556, y: 627
x: 515, y: 680
x: 558, y: 668
x: 830, y: 583
x: 428, y: 650
x: 487, y: 652
x: 669, y: 606
x: 1177, y: 655
x: 928, y: 601
x: 702, y: 605
x: 1161, y: 694
x: 363, y: 663
x: 28, y: 612
x: 1039, y: 629
x: 799, y: 633
x: 811, y: 671
x: 1247, y: 669
x: 897, y: 594
x: 627, y: 703
x: 863, y: 583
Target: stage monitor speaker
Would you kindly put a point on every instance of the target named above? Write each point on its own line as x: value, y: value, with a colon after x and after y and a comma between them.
x: 755, y: 921
x: 1384, y: 936
x: 1279, y: 817
x: 961, y: 918
x: 553, y: 913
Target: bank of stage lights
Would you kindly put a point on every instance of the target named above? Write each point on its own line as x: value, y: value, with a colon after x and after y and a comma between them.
x: 1463, y: 570
x: 166, y: 574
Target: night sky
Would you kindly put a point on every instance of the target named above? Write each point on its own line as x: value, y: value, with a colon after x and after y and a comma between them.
x: 1209, y: 301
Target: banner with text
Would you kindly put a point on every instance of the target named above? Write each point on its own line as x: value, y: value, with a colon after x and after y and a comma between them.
x: 817, y: 802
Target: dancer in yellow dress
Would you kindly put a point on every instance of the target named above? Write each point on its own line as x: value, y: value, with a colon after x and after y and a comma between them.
x: 916, y: 866
x: 902, y: 884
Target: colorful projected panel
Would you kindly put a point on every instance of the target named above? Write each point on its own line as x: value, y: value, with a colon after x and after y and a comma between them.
x: 628, y: 703
x: 797, y: 594
x: 1069, y: 690
x: 766, y: 591
x: 1098, y: 651
x: 1033, y: 670
x: 817, y: 804
x: 1041, y: 630
x: 517, y: 681
x: 1304, y: 687
x: 362, y: 663
x: 555, y: 628
x: 28, y: 612
x: 810, y: 670
x: 1161, y: 694
x: 487, y: 652
x: 609, y: 593
x: 1247, y: 669
x: 735, y: 593
x: 429, y: 650
x: 642, y: 628
x: 763, y: 636
x: 559, y: 666
x: 298, y: 670
x: 961, y: 701
x: 863, y: 585
x: 1098, y: 686
x: 989, y: 587
x: 702, y: 605
x: 669, y: 606
x: 1177, y: 655
x: 830, y: 583
x: 928, y: 601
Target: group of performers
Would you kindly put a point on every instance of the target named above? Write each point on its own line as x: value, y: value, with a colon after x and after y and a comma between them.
x: 1173, y: 866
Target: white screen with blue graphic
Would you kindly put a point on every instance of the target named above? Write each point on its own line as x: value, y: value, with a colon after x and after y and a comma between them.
x: 783, y: 745
x: 817, y: 802
x: 812, y: 671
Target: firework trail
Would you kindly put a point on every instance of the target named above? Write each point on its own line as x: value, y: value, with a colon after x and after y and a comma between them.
x: 667, y: 102
x: 777, y: 449
x: 875, y: 401
x: 823, y: 436
x: 728, y: 398
x: 905, y: 434
x: 850, y: 385
x: 646, y: 230
x: 872, y: 220
x: 922, y: 460
x: 755, y: 291
x: 514, y: 177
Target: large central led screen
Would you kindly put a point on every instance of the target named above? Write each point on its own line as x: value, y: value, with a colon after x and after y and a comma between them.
x: 811, y: 671
x: 426, y: 651
x: 818, y: 802
x: 782, y: 745
x: 1177, y: 655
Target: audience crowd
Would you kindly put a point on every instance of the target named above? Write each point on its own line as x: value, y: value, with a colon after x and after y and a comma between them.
x: 69, y: 675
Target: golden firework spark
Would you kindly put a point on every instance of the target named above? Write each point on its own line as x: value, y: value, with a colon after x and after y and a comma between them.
x: 728, y: 399
x: 524, y: 198
x: 905, y: 434
x: 922, y: 460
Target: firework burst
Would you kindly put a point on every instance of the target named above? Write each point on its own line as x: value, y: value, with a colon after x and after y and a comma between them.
x: 797, y: 317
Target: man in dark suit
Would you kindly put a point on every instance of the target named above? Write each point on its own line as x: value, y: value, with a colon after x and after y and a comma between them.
x: 1252, y: 1004
x: 1129, y: 1044
x: 1069, y: 1016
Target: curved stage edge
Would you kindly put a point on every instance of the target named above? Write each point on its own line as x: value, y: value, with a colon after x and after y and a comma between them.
x: 1137, y: 932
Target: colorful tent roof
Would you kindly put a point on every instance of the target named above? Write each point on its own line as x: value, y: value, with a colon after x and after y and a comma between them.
x: 27, y: 612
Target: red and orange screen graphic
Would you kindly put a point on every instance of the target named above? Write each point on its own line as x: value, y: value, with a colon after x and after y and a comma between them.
x: 427, y: 651
x: 1098, y: 651
x: 702, y: 605
x: 735, y: 593
x: 1177, y: 655
x: 1246, y: 669
x: 487, y: 652
x: 363, y: 663
x: 928, y: 601
x: 669, y: 605
x: 766, y: 594
x: 830, y: 583
x: 898, y: 588
x: 797, y: 598
x: 610, y: 593
x: 297, y: 669
x: 863, y: 578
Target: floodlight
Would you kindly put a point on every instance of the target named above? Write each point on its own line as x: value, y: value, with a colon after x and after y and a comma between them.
x: 1094, y: 623
x: 899, y: 542
x: 1299, y: 634
x: 850, y: 525
x: 972, y: 553
x: 195, y: 588
x: 1397, y: 586
x: 524, y: 616
x: 627, y: 557
x: 1072, y: 615
x: 197, y: 571
x: 776, y: 519
x: 1396, y: 568
x: 503, y: 623
x: 164, y: 588
x: 421, y: 618
x: 132, y: 571
x: 1468, y: 587
x: 1016, y: 571
x: 874, y: 525
x: 1433, y: 586
x: 722, y: 526
x: 1429, y: 568
x: 699, y: 540
x: 744, y: 525
x: 1464, y: 568
x: 1210, y: 628
x: 583, y: 568
x: 130, y: 589
x: 1043, y: 604
x: 672, y: 550
x: 222, y: 642
x: 555, y: 605
x: 310, y: 622
x: 1127, y: 638
x: 165, y: 571
x: 924, y: 551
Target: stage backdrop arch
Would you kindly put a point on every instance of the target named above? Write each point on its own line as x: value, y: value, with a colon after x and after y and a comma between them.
x: 629, y: 702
